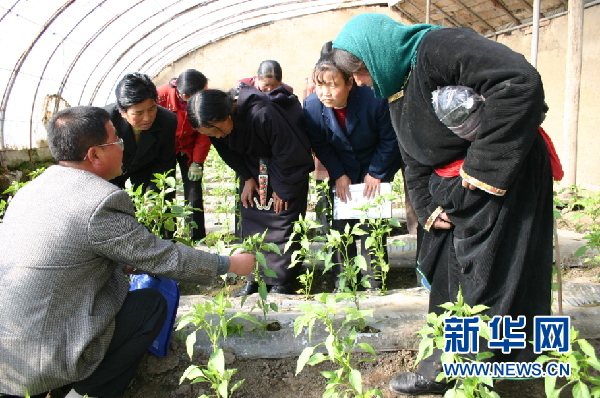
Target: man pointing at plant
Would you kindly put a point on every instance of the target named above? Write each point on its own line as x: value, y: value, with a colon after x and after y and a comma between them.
x: 67, y: 240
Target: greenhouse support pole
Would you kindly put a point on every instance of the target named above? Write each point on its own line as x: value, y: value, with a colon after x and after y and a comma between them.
x: 535, y: 37
x: 572, y: 90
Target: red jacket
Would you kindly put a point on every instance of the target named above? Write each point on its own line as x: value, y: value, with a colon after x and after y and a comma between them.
x: 187, y: 140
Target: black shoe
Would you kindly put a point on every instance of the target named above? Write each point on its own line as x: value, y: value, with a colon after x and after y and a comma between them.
x: 248, y: 289
x: 282, y: 289
x: 411, y: 383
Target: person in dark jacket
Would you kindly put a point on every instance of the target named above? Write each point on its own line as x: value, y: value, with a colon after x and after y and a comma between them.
x: 485, y: 202
x: 350, y: 131
x: 262, y: 137
x: 191, y: 147
x: 148, y: 131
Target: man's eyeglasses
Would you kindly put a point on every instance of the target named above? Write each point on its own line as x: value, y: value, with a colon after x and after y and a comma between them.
x: 119, y: 142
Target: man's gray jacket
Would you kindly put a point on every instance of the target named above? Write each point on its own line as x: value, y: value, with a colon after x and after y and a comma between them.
x: 64, y: 241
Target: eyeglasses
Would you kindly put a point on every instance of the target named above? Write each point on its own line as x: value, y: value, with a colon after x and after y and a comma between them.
x: 119, y: 142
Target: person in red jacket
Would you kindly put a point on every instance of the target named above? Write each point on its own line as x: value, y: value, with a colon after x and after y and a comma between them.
x: 190, y: 146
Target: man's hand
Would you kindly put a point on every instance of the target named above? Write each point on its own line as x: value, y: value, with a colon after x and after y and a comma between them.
x: 195, y: 171
x: 242, y: 263
x: 342, y: 188
x: 442, y: 221
x: 372, y: 185
x: 279, y: 204
x: 250, y: 186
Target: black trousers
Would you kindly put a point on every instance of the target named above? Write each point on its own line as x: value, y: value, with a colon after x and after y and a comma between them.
x: 137, y: 324
x: 192, y: 192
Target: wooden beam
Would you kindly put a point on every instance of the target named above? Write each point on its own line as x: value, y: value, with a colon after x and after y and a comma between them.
x: 460, y: 3
x: 572, y: 90
x: 406, y: 14
x: 527, y: 5
x: 500, y: 4
x: 448, y: 17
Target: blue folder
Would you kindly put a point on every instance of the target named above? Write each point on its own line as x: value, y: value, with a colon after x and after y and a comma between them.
x: 170, y: 291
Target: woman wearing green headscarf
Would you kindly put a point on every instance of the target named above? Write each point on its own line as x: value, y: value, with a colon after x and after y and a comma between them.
x: 484, y: 201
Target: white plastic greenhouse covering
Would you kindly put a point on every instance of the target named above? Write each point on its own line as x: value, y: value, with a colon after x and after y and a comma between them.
x: 57, y: 52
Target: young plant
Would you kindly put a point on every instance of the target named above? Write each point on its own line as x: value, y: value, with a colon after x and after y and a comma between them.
x: 159, y: 213
x: 301, y: 237
x: 350, y: 267
x: 215, y: 374
x: 376, y: 242
x: 255, y: 244
x: 433, y: 338
x: 213, y: 319
x: 345, y: 382
x: 323, y: 207
x: 222, y: 191
x: 582, y: 361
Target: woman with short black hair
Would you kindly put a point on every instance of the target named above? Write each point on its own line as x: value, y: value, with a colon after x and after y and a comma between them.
x: 147, y: 130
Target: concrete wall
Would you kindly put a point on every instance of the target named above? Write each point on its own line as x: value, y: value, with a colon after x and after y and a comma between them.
x: 552, y: 67
x: 296, y: 44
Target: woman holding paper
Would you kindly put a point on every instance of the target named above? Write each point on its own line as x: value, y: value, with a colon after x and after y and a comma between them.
x: 351, y: 133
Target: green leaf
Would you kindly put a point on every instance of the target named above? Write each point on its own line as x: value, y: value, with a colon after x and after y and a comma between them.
x: 248, y: 317
x: 273, y: 247
x: 217, y: 358
x: 303, y: 359
x: 317, y: 358
x: 355, y: 379
x: 190, y: 341
x: 478, y: 308
x: 360, y: 262
x: 394, y: 222
x: 260, y: 258
x: 581, y: 251
x: 262, y: 290
x: 328, y: 374
x: 367, y: 348
x: 483, y: 355
x: 191, y: 373
x: 587, y: 348
x: 580, y: 390
x: 549, y: 387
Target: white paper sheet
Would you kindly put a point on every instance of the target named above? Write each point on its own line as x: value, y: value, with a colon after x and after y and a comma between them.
x: 348, y: 210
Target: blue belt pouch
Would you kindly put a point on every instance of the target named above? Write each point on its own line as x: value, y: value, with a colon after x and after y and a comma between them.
x: 170, y: 291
